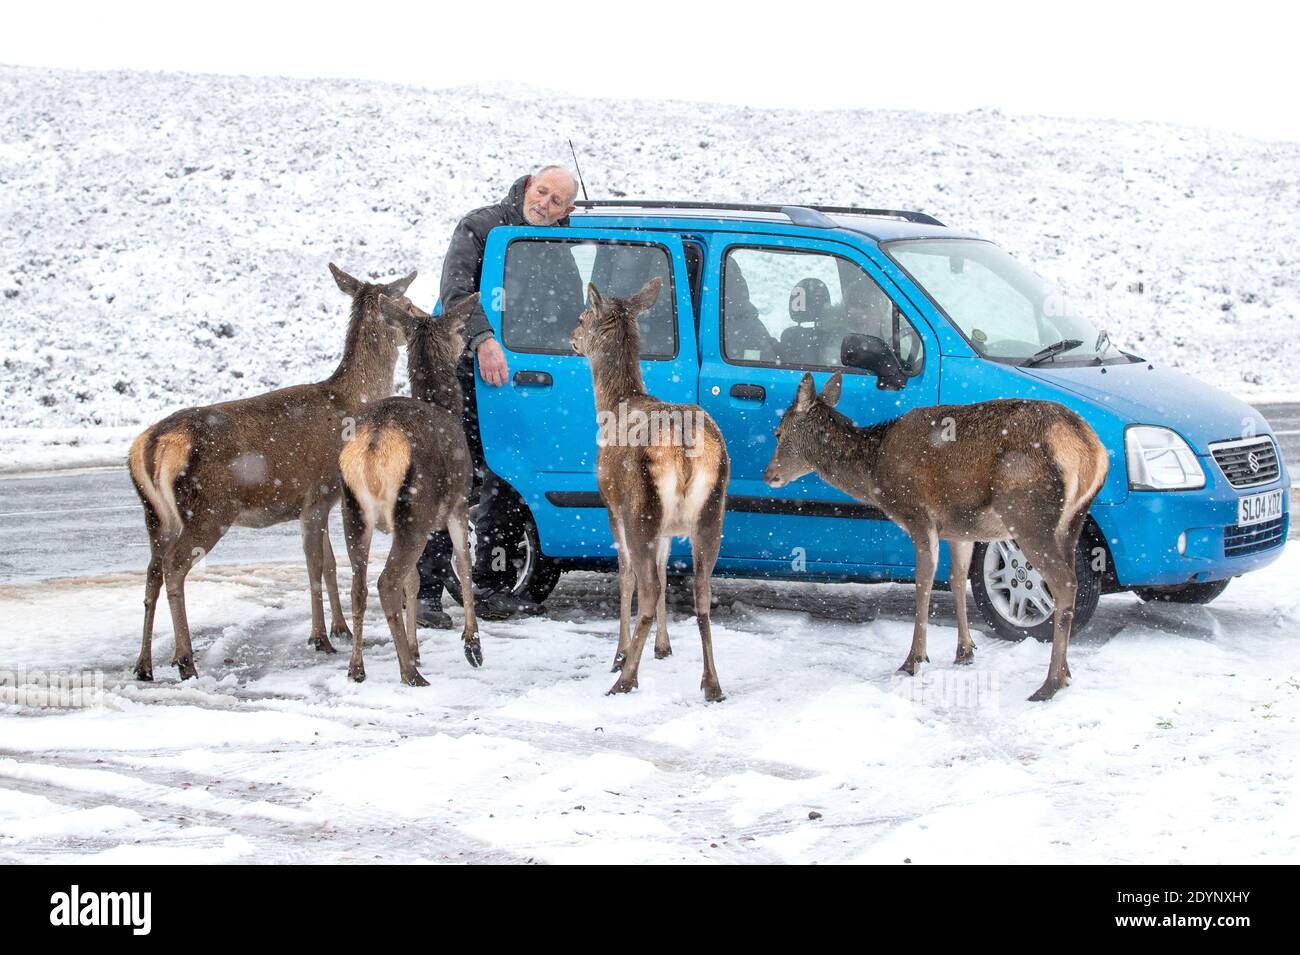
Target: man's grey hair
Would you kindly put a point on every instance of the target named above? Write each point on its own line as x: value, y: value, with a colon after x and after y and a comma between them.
x: 552, y: 168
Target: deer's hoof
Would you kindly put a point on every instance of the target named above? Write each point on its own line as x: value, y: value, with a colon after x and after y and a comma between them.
x: 912, y: 664
x: 622, y: 686
x: 712, y: 694
x: 340, y: 631
x: 322, y: 644
x: 357, y: 673
x: 414, y: 679
x: 474, y: 652
x: 144, y: 672
x: 1047, y: 690
x: 664, y: 653
x: 965, y: 656
x: 619, y: 659
x: 186, y: 666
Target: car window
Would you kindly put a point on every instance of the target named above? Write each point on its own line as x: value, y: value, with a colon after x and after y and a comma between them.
x: 545, y: 291
x: 793, y: 308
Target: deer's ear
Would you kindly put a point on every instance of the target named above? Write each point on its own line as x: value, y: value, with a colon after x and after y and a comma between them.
x: 594, y: 298
x: 648, y: 295
x: 831, y: 393
x: 347, y: 284
x: 807, y: 393
x: 400, y: 286
x: 463, y: 309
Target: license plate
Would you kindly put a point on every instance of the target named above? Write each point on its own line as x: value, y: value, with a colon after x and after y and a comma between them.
x: 1258, y: 508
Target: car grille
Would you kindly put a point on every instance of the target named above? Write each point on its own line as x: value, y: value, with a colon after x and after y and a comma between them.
x: 1239, y: 541
x: 1247, y: 463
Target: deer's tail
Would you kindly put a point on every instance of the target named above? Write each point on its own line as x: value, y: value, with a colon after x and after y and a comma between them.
x: 374, y: 465
x: 1082, y: 461
x: 156, y: 461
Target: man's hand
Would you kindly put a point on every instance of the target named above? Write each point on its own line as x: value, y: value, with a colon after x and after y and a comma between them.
x: 492, y: 366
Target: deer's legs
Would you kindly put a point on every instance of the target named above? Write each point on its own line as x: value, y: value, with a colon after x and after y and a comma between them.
x: 662, y: 647
x: 189, y: 547
x: 458, y: 530
x: 338, y: 622
x: 643, y: 553
x: 705, y: 544
x: 626, y: 586
x: 1054, y: 561
x: 926, y: 542
x: 960, y: 552
x: 409, y: 594
x: 357, y: 535
x: 402, y: 559
x: 313, y: 525
x: 152, y: 585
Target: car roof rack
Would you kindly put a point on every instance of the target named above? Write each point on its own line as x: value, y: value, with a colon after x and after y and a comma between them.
x: 803, y: 215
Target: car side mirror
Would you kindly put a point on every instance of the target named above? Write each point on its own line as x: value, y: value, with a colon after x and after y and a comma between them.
x: 872, y: 354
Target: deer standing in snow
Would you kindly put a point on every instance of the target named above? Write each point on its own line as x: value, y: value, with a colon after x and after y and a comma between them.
x: 662, y: 472
x: 407, y: 472
x: 256, y: 462
x: 960, y: 473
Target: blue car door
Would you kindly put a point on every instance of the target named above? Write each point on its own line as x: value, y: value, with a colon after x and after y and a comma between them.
x: 539, y: 429
x: 774, y: 309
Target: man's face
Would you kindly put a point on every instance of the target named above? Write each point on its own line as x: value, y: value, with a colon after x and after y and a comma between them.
x: 548, y: 198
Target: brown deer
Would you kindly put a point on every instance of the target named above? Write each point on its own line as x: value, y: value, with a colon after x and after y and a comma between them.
x: 662, y: 470
x: 407, y: 471
x: 256, y: 462
x: 960, y: 473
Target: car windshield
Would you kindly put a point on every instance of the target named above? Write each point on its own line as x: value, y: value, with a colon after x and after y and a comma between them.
x: 1003, y: 309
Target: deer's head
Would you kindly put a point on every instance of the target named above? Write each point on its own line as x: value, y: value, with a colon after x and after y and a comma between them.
x: 611, y: 319
x: 801, y: 428
x: 365, y: 304
x: 353, y: 287
x: 438, y: 341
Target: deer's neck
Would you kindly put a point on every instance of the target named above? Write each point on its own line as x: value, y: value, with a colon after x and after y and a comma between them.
x: 365, y: 372
x: 616, y: 373
x: 847, y: 456
x: 434, y: 382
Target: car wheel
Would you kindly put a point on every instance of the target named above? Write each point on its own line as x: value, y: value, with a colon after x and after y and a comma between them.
x: 522, y: 570
x: 1014, y: 600
x: 1194, y: 593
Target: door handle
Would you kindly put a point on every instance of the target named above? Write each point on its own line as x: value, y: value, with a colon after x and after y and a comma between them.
x: 536, y: 378
x: 749, y: 392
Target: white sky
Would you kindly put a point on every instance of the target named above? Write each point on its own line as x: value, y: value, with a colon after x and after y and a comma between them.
x: 1225, y: 66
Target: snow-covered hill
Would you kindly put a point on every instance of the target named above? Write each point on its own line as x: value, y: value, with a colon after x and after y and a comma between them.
x: 164, y: 238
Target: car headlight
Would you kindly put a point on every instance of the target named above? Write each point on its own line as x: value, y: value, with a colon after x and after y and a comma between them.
x: 1159, y: 460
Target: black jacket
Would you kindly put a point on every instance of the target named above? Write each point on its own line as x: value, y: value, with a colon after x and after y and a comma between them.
x: 462, y: 269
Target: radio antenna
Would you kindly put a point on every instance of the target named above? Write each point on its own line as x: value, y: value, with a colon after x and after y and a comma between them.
x: 579, y: 169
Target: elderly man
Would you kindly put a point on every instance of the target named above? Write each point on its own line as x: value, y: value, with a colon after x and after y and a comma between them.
x: 543, y: 199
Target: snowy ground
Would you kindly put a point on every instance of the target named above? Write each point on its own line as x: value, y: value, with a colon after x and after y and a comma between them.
x: 1177, y: 742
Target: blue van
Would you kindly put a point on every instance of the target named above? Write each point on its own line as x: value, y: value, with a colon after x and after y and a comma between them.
x: 754, y: 297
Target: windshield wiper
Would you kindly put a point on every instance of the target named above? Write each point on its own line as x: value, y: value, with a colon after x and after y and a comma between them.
x: 1051, y: 351
x: 1103, y: 345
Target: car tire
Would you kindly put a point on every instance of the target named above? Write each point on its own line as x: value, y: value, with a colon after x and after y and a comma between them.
x: 997, y: 601
x: 1193, y: 593
x: 528, y: 573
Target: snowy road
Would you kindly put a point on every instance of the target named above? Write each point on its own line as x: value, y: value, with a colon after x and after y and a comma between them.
x: 1176, y: 743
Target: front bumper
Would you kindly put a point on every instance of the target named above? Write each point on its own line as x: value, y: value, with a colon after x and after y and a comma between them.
x: 1143, y: 533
